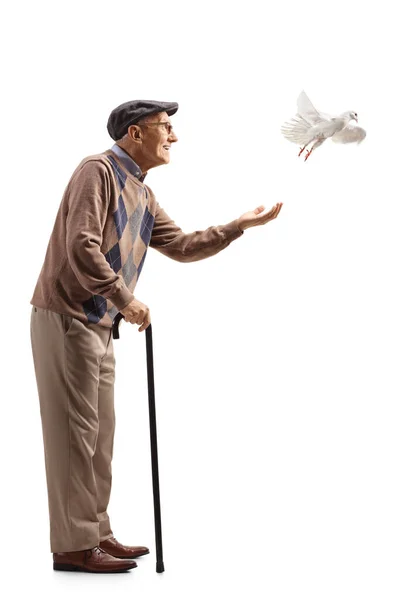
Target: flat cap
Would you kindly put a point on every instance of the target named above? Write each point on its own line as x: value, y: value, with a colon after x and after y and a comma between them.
x: 131, y: 112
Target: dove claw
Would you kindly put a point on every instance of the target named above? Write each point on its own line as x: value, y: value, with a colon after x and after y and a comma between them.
x: 301, y: 150
x: 308, y: 154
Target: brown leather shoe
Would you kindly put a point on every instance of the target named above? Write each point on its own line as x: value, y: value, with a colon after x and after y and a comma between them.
x: 94, y: 560
x: 111, y: 546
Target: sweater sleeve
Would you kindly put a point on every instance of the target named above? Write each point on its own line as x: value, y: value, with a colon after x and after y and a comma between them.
x: 169, y: 239
x: 88, y: 203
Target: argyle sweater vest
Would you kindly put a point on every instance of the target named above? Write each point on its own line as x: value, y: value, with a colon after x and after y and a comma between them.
x: 105, y: 223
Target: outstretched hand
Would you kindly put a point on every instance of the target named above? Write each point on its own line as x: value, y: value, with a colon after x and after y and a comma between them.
x: 258, y: 216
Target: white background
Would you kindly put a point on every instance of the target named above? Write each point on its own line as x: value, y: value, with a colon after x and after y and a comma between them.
x: 276, y: 360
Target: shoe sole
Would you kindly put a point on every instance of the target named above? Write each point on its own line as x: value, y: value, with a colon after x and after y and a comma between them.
x: 132, y: 556
x: 65, y: 567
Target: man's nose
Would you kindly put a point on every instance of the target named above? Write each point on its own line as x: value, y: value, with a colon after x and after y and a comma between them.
x: 172, y: 137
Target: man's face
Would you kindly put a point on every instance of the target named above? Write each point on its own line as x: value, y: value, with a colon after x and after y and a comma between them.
x: 157, y: 138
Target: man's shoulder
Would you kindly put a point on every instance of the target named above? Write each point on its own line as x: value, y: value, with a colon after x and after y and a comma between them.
x: 95, y: 161
x: 95, y: 166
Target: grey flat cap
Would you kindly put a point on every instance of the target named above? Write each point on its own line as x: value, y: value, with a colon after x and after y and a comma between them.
x: 131, y: 112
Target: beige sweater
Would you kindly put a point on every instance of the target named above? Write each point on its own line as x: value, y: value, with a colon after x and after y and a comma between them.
x: 105, y: 223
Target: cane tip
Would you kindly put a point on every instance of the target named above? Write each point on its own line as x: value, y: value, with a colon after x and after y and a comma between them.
x: 160, y: 567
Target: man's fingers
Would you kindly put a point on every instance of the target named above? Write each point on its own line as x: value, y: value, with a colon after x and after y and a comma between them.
x: 278, y: 210
x: 272, y: 214
x: 269, y: 215
x: 274, y: 210
x: 145, y: 323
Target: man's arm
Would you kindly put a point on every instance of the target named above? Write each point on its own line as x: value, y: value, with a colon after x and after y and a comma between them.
x: 88, y: 202
x: 169, y: 239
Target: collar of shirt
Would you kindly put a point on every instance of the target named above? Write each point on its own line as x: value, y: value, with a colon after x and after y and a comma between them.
x: 128, y: 162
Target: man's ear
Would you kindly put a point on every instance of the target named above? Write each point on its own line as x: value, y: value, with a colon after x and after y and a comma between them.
x: 135, y: 133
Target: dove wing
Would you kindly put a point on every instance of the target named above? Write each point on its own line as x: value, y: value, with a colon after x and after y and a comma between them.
x: 308, y: 112
x: 297, y: 130
x: 349, y: 135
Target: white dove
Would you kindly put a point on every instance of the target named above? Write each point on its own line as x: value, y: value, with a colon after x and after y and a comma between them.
x: 310, y: 125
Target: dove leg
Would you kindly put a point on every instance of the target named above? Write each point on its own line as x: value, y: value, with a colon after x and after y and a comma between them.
x: 308, y: 154
x: 315, y: 145
x: 302, y: 150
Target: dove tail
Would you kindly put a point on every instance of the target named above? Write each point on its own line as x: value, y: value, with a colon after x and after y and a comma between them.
x: 297, y: 131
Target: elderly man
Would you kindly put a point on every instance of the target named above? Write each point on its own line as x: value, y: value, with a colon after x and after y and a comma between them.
x: 107, y: 219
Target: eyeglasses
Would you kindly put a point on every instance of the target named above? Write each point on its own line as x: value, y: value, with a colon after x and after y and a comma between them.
x: 167, y: 125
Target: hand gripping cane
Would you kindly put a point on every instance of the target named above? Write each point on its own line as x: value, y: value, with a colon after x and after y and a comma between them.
x: 153, y: 438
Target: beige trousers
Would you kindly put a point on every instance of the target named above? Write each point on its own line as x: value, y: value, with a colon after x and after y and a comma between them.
x: 74, y: 366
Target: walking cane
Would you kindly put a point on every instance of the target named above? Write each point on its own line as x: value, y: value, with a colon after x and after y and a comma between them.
x: 153, y: 438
